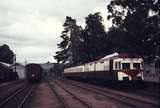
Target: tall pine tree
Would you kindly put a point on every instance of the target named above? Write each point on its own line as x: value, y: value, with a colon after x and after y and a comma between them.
x: 69, y: 46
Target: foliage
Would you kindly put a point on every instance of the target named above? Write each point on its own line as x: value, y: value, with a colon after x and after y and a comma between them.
x: 69, y: 45
x: 94, y: 38
x: 139, y: 20
x: 135, y: 29
x: 6, y: 55
x: 82, y: 45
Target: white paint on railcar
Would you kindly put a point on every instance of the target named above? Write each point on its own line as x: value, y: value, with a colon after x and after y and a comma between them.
x: 74, y: 69
x: 121, y: 76
x: 91, y: 66
x: 100, y: 66
x: 86, y: 67
x: 141, y: 75
x: 109, y: 56
x: 106, y: 65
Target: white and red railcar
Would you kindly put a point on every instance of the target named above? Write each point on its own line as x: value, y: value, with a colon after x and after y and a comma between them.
x: 113, y: 67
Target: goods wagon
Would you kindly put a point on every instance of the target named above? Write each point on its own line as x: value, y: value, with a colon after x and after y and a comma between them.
x: 34, y: 73
x: 113, y: 67
x: 6, y: 73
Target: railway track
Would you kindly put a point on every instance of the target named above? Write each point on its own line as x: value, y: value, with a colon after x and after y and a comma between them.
x: 9, y: 90
x: 5, y: 83
x: 130, y: 100
x: 9, y: 84
x: 59, y: 98
x: 145, y: 93
x: 78, y: 102
x: 17, y: 98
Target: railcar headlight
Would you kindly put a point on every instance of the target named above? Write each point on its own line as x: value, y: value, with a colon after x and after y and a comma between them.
x: 32, y: 75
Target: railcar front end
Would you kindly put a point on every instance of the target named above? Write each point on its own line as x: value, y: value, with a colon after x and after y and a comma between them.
x: 128, y: 69
x: 34, y: 73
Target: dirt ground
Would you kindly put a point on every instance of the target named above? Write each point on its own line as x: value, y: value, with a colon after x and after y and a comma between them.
x: 44, y: 97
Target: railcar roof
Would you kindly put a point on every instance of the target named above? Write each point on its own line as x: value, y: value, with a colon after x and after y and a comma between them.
x: 124, y: 55
x: 110, y: 56
x: 121, y: 55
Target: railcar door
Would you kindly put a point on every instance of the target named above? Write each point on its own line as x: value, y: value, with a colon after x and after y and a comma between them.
x: 111, y: 65
x: 111, y: 72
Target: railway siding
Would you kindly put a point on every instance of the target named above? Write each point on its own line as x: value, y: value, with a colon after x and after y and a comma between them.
x: 71, y: 100
x: 92, y: 99
x: 10, y: 90
x: 119, y: 96
x: 17, y: 98
x: 64, y: 93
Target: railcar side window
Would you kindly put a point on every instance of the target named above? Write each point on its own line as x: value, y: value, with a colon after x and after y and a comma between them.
x: 125, y: 65
x: 102, y: 61
x: 119, y: 63
x: 157, y: 65
x: 116, y: 65
x: 136, y: 66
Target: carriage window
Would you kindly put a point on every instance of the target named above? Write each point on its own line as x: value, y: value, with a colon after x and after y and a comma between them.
x: 125, y: 65
x: 116, y: 65
x: 157, y: 65
x: 102, y: 61
x: 136, y: 66
x: 119, y: 63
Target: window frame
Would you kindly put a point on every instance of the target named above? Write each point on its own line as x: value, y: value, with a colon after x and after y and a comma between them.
x: 129, y: 65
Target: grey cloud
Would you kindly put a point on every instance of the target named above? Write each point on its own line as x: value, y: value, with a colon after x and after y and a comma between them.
x: 27, y: 25
x: 11, y: 37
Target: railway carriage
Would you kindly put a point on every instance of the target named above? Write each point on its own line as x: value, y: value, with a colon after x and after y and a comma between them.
x: 113, y: 67
x: 6, y: 72
x: 34, y: 73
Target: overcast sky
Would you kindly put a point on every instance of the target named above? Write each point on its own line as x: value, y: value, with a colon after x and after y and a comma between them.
x: 32, y: 27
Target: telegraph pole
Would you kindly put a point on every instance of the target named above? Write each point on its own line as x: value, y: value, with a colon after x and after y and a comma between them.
x: 25, y: 62
x: 15, y: 62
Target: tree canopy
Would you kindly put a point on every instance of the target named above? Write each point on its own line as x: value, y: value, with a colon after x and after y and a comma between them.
x: 80, y: 45
x: 139, y: 21
x: 135, y: 29
x: 70, y: 42
x: 6, y: 55
x: 94, y: 37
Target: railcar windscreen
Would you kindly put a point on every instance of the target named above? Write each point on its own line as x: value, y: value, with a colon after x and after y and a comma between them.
x: 125, y: 65
x: 136, y: 65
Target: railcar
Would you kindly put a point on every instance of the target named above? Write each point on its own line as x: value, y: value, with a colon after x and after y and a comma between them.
x: 34, y: 73
x: 6, y: 72
x: 114, y: 67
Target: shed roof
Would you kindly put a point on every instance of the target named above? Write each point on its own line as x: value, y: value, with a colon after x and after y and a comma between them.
x: 5, y: 64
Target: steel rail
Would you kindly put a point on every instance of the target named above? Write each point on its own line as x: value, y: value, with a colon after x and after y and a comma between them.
x: 73, y: 95
x: 11, y: 96
x: 59, y: 98
x: 110, y: 94
x: 26, y: 97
